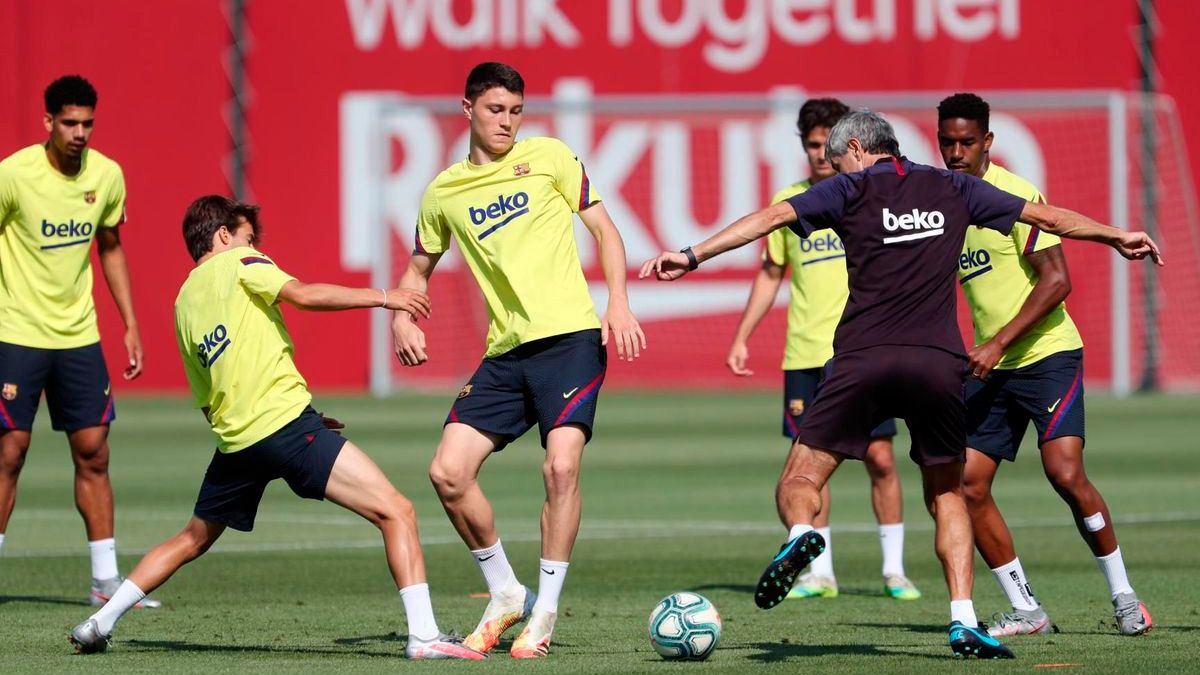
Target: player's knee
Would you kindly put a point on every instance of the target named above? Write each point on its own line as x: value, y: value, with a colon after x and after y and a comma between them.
x: 395, y: 508
x: 91, y: 460
x: 881, y: 467
x: 1066, y: 478
x: 449, y: 482
x: 562, y: 475
x: 976, y: 492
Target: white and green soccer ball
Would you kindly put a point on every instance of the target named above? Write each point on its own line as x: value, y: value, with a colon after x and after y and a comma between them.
x: 685, y: 626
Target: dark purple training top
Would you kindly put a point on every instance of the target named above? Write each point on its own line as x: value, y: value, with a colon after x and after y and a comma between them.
x: 903, y: 226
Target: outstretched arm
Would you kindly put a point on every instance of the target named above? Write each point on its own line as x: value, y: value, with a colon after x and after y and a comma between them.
x: 1052, y: 287
x: 331, y: 297
x: 669, y: 266
x: 1067, y: 223
x: 617, y: 317
x: 762, y: 296
x: 116, y: 273
x: 408, y: 339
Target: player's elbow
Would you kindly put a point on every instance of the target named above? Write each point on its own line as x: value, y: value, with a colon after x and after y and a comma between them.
x: 299, y: 295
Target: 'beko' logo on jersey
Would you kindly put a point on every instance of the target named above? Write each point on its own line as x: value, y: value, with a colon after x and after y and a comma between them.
x: 974, y: 262
x: 922, y: 224
x: 213, y: 346
x: 507, y: 208
x: 829, y: 244
x: 68, y: 230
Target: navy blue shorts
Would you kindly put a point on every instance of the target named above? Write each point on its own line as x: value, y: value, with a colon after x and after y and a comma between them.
x: 75, y: 380
x: 302, y: 453
x: 864, y: 387
x: 550, y: 382
x: 1048, y: 392
x: 799, y: 389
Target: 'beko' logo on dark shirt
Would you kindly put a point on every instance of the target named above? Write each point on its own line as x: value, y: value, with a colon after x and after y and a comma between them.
x: 920, y: 223
x: 68, y: 230
x: 506, y: 208
x: 974, y: 262
x: 213, y: 346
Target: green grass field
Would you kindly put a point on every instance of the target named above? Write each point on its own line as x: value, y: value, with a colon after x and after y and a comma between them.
x: 678, y: 494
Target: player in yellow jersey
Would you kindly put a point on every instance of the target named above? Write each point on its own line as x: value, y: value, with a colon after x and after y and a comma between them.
x: 819, y: 290
x: 509, y: 206
x: 238, y: 358
x: 1028, y: 366
x: 55, y: 198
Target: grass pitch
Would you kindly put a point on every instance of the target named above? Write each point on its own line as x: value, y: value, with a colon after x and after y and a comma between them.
x: 678, y: 494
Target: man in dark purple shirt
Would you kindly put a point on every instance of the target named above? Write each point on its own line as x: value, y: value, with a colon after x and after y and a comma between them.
x: 897, y: 349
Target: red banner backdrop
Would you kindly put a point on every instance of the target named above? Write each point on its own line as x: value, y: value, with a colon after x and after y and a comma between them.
x: 160, y: 71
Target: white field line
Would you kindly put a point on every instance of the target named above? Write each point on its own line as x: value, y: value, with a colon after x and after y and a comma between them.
x: 592, y: 530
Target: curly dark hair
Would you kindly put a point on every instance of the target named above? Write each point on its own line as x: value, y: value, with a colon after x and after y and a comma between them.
x: 210, y: 213
x: 966, y: 107
x: 491, y: 74
x: 69, y: 90
x: 820, y: 112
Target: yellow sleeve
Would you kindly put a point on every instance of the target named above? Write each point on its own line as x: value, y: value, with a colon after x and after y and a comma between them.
x: 571, y: 179
x: 114, y: 212
x: 8, y: 192
x: 197, y: 376
x: 433, y: 234
x: 259, y: 275
x: 1028, y: 238
x: 776, y: 249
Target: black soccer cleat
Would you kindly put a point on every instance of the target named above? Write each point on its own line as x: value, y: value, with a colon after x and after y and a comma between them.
x: 794, y: 556
x: 969, y: 643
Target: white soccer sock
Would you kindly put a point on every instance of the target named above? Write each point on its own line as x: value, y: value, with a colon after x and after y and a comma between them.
x: 822, y: 565
x: 550, y: 583
x: 1113, y: 567
x: 1, y: 541
x: 419, y: 610
x: 104, y: 558
x: 493, y: 563
x: 1014, y: 583
x: 964, y: 611
x: 798, y: 530
x: 122, y: 601
x: 891, y: 541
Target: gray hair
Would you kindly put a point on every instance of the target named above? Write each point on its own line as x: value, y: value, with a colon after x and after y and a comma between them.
x: 870, y: 128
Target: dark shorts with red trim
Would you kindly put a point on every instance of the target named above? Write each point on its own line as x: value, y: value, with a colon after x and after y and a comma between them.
x: 1049, y: 393
x: 550, y: 382
x: 800, y: 388
x: 302, y: 453
x: 864, y: 387
x: 75, y: 380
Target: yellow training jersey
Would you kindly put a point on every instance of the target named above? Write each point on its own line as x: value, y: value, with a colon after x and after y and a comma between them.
x: 236, y: 350
x: 47, y: 223
x: 512, y: 221
x: 997, y: 279
x: 819, y: 288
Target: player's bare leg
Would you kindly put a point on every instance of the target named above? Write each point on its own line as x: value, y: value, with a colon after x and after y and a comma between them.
x: 798, y: 501
x: 94, y: 634
x: 93, y: 490
x: 14, y: 444
x: 887, y: 501
x: 357, y: 483
x: 1062, y: 460
x: 560, y: 526
x: 454, y: 473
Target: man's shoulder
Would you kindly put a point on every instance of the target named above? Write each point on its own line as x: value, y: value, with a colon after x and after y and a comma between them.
x: 21, y: 160
x: 1011, y: 182
x: 98, y: 161
x: 791, y: 191
x: 539, y: 144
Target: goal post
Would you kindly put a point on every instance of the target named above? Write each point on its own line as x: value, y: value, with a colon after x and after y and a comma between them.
x: 673, y: 169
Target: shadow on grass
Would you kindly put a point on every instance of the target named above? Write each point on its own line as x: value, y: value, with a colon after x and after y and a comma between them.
x: 183, y: 646
x: 366, y: 640
x: 733, y: 588
x: 910, y: 627
x: 42, y: 599
x: 775, y: 651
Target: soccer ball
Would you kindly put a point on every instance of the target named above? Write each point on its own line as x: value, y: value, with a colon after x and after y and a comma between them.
x: 685, y: 626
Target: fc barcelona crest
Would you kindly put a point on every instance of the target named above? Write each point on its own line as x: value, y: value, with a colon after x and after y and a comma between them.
x: 9, y: 392
x: 466, y: 391
x: 796, y: 407
x: 90, y: 196
x: 521, y: 169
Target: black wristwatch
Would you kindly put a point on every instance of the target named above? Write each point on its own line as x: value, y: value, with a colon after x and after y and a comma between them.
x: 693, y: 263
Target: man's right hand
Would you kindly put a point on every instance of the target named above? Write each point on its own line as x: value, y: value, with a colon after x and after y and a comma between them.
x: 408, y: 340
x: 408, y: 300
x: 739, y: 353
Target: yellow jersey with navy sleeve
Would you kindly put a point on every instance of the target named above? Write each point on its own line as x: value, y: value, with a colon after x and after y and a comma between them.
x: 996, y: 278
x: 236, y: 350
x: 47, y: 223
x: 512, y: 221
x: 819, y: 288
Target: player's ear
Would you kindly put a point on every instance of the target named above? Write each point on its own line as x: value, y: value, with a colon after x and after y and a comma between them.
x: 48, y: 121
x: 466, y: 106
x: 987, y: 141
